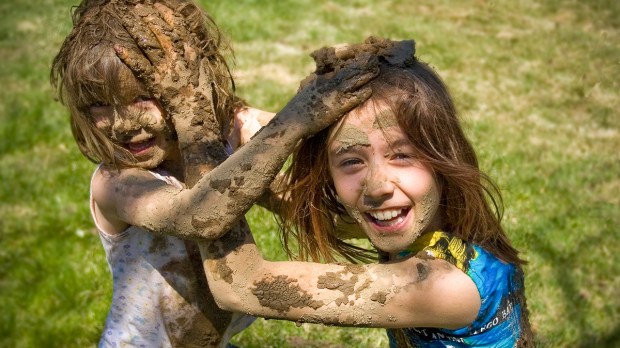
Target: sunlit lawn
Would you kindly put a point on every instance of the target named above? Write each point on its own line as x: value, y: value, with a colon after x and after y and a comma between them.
x: 537, y: 86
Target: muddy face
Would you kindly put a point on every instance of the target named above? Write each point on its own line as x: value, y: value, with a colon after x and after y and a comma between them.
x: 382, y: 185
x: 136, y: 123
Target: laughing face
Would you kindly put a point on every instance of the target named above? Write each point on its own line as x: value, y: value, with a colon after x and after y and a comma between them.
x: 136, y: 123
x: 382, y: 185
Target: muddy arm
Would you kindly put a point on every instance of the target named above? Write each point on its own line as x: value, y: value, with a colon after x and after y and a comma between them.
x: 408, y: 293
x: 232, y: 188
x: 219, y: 199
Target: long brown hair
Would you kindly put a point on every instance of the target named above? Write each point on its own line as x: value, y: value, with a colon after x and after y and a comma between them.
x: 87, y: 71
x: 470, y: 200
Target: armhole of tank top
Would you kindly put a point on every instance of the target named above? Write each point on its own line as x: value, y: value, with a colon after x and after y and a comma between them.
x: 107, y: 236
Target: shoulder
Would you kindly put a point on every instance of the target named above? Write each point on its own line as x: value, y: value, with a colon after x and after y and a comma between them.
x: 445, y: 246
x: 117, y: 193
x: 486, y: 270
x: 108, y: 180
x: 439, y: 293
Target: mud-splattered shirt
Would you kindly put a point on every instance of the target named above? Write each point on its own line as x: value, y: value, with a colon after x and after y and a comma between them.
x: 500, y: 286
x: 151, y: 275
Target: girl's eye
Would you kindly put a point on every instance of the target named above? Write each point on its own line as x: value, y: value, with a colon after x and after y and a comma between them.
x: 401, y: 156
x: 404, y: 158
x: 349, y: 162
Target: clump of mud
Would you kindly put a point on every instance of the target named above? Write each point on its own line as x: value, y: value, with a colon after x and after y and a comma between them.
x: 329, y: 60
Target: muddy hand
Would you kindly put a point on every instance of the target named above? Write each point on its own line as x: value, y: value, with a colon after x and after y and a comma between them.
x: 167, y: 59
x: 329, y: 96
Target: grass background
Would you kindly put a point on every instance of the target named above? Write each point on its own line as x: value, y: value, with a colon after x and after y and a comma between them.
x: 536, y: 83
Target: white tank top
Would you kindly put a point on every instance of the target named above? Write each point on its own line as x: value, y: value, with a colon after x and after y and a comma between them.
x: 146, y: 310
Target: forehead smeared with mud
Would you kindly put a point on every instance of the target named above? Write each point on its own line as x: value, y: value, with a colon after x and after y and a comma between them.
x: 385, y: 119
x: 350, y: 135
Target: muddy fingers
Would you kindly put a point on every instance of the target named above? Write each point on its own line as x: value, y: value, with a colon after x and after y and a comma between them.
x: 350, y: 100
x: 184, y: 40
x: 326, y: 97
x: 361, y: 71
x: 143, y: 37
x: 167, y: 59
x: 136, y: 60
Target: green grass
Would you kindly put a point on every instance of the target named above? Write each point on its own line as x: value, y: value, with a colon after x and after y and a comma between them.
x: 537, y: 86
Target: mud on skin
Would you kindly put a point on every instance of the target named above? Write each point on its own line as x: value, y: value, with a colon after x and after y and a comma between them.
x: 167, y: 74
x: 280, y: 293
x: 197, y: 134
x: 231, y: 241
x: 338, y: 281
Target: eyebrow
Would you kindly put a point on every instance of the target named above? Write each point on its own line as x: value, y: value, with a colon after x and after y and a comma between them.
x: 400, y: 142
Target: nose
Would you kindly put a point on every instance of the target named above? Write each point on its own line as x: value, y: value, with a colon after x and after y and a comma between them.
x: 124, y: 124
x: 378, y: 186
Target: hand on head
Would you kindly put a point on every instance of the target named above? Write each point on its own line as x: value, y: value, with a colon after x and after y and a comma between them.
x: 177, y: 59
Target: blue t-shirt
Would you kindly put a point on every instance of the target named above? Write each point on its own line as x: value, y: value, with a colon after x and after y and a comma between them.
x: 500, y: 286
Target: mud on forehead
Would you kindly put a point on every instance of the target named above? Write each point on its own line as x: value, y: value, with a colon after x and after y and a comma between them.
x: 348, y: 134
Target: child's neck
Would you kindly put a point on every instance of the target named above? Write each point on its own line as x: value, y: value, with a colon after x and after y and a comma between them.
x: 174, y: 166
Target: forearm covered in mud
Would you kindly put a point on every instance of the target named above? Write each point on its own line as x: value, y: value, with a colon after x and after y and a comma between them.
x: 220, y: 198
x: 332, y: 294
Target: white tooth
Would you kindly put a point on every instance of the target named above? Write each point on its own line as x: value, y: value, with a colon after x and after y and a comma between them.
x: 385, y: 214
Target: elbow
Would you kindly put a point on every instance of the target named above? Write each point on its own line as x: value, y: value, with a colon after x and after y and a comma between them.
x: 207, y: 227
x: 230, y: 302
x: 199, y: 227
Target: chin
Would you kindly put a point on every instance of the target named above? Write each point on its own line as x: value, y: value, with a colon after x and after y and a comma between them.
x: 394, y: 244
x: 389, y: 246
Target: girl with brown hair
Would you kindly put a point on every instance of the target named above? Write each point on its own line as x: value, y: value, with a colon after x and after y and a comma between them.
x: 151, y: 102
x: 400, y: 170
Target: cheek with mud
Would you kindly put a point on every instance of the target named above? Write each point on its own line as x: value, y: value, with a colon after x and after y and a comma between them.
x: 426, y: 209
x: 355, y: 214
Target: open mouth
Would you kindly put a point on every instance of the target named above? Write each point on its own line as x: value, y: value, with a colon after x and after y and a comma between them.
x: 138, y: 148
x: 388, y: 217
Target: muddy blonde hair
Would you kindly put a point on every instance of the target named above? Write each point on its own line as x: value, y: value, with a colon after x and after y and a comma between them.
x: 86, y: 70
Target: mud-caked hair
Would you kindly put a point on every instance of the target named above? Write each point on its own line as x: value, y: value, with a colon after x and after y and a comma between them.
x: 86, y: 70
